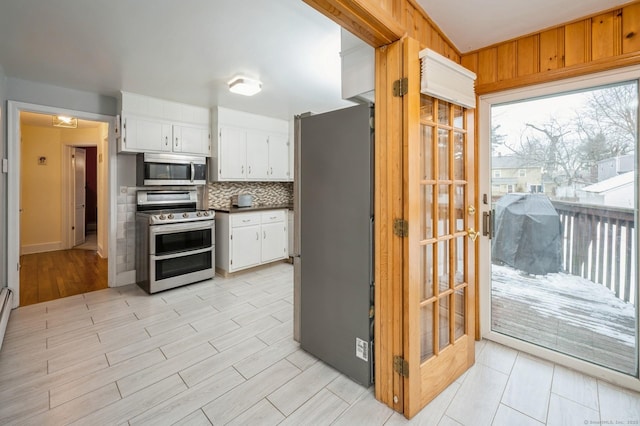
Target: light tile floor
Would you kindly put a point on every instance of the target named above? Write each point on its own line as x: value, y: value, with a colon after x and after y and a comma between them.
x: 221, y: 352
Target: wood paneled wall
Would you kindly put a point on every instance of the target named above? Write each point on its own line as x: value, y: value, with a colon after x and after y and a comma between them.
x: 420, y: 27
x: 381, y: 22
x: 604, y: 41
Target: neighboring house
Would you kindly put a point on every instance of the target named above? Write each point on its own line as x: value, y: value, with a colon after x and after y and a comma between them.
x: 615, y: 166
x: 511, y: 174
x: 616, y: 191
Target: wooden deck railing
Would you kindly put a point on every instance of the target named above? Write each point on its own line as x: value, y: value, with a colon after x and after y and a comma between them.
x: 598, y: 244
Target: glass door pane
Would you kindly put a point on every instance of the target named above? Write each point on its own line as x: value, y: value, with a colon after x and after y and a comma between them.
x: 444, y: 223
x: 564, y: 247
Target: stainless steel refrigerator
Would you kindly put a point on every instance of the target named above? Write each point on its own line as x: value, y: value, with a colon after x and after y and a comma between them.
x: 333, y: 262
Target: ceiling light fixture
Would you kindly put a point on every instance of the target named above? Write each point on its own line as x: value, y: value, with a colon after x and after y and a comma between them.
x: 245, y: 86
x: 65, y: 121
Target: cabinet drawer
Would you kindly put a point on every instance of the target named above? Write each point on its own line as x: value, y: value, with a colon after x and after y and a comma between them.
x: 273, y: 216
x: 244, y: 219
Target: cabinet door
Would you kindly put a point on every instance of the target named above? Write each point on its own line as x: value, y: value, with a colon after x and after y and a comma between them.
x: 279, y: 158
x: 245, y: 247
x: 274, y: 241
x: 191, y: 140
x: 233, y: 154
x: 257, y: 156
x: 144, y: 135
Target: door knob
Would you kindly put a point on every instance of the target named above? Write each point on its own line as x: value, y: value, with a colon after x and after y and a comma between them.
x: 471, y: 210
x: 473, y: 234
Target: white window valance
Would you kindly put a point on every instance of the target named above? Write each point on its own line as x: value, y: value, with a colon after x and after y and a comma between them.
x: 444, y: 79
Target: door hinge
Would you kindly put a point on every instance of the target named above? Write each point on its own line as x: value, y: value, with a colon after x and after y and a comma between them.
x: 400, y: 366
x: 401, y: 228
x: 400, y: 87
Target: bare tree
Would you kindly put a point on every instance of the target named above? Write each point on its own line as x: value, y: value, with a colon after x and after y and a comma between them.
x: 610, y: 116
x: 602, y: 127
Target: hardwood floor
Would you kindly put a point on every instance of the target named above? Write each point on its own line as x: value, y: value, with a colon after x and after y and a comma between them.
x: 222, y: 352
x: 56, y: 274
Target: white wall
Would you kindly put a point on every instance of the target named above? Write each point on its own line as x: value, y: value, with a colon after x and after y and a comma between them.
x: 3, y: 180
x: 45, y: 94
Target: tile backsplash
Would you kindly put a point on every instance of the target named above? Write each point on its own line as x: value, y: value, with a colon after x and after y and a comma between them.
x: 264, y: 193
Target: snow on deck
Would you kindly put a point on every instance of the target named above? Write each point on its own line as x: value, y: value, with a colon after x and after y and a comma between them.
x: 565, y: 313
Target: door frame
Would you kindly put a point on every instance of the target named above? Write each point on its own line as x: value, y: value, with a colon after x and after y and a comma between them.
x: 484, y: 187
x: 68, y: 191
x: 14, y: 108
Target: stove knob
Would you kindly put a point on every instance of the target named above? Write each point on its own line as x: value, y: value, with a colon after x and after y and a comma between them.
x: 206, y: 213
x: 170, y: 216
x: 161, y: 217
x: 185, y: 215
x: 199, y: 214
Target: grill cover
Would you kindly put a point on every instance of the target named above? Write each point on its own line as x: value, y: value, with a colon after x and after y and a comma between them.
x: 527, y: 234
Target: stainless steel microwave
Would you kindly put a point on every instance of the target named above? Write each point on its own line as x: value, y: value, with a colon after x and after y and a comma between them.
x: 170, y: 169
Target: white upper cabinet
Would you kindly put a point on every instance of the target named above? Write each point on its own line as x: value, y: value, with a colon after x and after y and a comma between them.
x: 155, y: 125
x: 257, y: 155
x: 279, y: 158
x: 249, y: 147
x: 191, y: 140
x: 232, y: 146
x: 145, y: 135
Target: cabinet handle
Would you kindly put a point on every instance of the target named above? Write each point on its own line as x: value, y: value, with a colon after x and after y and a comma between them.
x: 257, y: 236
x: 271, y: 170
x: 265, y: 234
x: 166, y: 140
x: 176, y: 141
x: 249, y: 169
x: 242, y: 170
x: 246, y: 220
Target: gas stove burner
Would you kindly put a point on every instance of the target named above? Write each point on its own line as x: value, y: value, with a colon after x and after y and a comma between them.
x: 170, y: 206
x: 165, y: 216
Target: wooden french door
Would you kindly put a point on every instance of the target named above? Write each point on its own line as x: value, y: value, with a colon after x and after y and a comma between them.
x: 439, y: 258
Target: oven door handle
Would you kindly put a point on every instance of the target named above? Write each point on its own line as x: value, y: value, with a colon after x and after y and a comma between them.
x: 193, y: 172
x: 167, y: 228
x: 180, y: 254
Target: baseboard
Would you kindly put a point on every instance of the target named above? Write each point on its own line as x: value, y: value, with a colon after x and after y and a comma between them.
x: 41, y: 248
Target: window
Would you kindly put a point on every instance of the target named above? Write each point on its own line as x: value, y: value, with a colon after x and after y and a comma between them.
x: 496, y: 173
x: 522, y: 173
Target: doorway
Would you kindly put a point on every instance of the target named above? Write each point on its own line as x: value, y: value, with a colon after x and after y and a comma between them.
x: 42, y: 185
x: 560, y: 207
x: 59, y: 171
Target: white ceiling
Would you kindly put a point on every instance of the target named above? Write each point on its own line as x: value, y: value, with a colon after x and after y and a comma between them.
x: 472, y: 24
x: 187, y: 51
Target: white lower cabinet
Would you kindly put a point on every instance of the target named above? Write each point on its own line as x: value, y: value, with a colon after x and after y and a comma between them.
x: 244, y: 240
x: 244, y: 247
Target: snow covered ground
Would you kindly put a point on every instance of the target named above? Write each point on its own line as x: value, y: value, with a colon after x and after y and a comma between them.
x: 570, y: 299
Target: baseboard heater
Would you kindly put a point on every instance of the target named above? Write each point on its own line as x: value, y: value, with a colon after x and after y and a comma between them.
x: 6, y: 303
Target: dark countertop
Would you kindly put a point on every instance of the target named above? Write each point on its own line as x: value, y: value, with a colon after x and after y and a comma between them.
x: 254, y: 208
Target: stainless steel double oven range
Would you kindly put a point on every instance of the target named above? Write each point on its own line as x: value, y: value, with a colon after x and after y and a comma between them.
x: 175, y: 242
